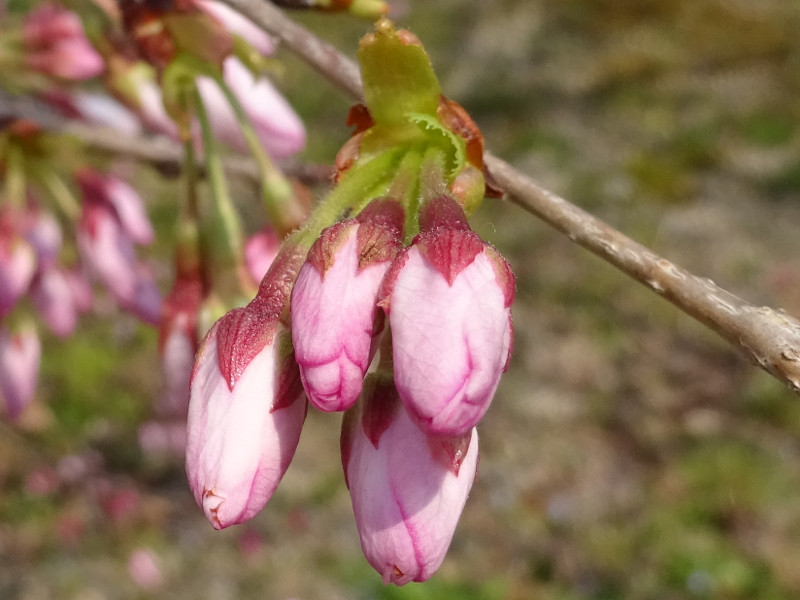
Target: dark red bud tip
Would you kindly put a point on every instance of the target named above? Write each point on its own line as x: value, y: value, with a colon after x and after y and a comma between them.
x: 450, y: 452
x: 241, y: 334
x: 386, y: 212
x: 381, y: 404
x: 442, y: 211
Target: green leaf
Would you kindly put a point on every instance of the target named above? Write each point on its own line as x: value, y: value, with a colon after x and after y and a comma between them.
x: 398, y: 76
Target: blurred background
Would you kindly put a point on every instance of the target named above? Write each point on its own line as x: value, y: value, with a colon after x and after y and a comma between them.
x: 629, y: 452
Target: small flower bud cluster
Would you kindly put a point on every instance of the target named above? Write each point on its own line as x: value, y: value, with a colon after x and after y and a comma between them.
x: 398, y: 315
x: 409, y: 444
x: 111, y: 221
x: 409, y: 448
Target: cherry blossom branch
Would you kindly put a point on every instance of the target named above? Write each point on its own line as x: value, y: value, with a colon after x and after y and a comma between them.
x: 770, y: 338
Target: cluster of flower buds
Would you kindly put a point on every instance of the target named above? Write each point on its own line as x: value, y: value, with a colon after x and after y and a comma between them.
x: 230, y: 43
x: 34, y: 274
x: 399, y: 316
x: 198, y: 46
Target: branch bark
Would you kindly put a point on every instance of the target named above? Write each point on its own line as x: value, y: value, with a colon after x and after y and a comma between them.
x: 769, y: 338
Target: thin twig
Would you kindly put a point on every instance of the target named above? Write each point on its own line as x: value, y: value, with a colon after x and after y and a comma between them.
x: 768, y: 337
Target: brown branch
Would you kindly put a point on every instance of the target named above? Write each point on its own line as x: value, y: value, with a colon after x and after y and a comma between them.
x: 770, y: 338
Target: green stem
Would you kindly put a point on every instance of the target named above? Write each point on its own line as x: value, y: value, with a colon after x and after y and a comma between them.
x: 15, y: 176
x: 283, y: 210
x: 349, y: 193
x: 63, y: 196
x: 221, y: 232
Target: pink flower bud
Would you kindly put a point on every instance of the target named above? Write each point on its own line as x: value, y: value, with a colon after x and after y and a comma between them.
x: 57, y: 46
x: 276, y: 124
x: 123, y: 199
x: 246, y: 408
x: 43, y: 233
x: 20, y: 352
x: 144, y: 568
x: 107, y: 250
x: 80, y: 289
x: 334, y: 303
x: 106, y: 247
x: 448, y: 297
x: 53, y: 298
x: 407, y: 489
x: 178, y: 339
x: 239, y: 25
x: 17, y: 267
x: 129, y: 208
x: 260, y: 250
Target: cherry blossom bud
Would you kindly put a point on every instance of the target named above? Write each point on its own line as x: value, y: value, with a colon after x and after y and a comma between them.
x: 129, y: 208
x: 57, y: 46
x: 107, y: 250
x: 102, y: 109
x: 260, y: 250
x: 334, y: 303
x: 80, y: 289
x: 276, y: 124
x: 53, y: 298
x: 448, y: 297
x: 20, y: 352
x: 247, y: 407
x: 239, y: 25
x: 125, y: 201
x: 408, y: 489
x: 43, y: 233
x: 17, y: 267
x: 144, y: 568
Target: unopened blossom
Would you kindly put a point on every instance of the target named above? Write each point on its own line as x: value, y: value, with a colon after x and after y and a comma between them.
x: 260, y: 249
x: 106, y: 249
x: 247, y: 406
x: 277, y: 126
x: 408, y: 489
x: 56, y: 45
x: 448, y: 297
x: 238, y: 24
x: 145, y: 570
x: 20, y: 352
x: 80, y: 289
x: 17, y: 267
x: 100, y: 109
x: 334, y: 303
x: 106, y: 246
x: 126, y: 202
x: 52, y: 295
x: 43, y: 233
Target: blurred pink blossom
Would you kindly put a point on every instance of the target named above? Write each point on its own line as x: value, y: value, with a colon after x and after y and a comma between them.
x: 53, y: 298
x: 260, y: 250
x: 145, y: 570
x: 17, y: 267
x: 20, y: 352
x: 239, y: 25
x: 277, y: 126
x: 57, y: 46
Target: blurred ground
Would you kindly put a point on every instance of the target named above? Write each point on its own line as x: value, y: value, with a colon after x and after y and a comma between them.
x: 629, y: 453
